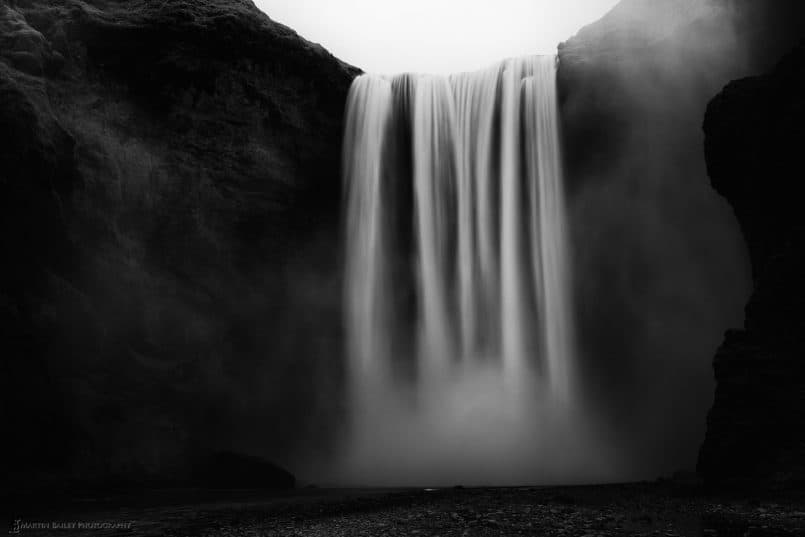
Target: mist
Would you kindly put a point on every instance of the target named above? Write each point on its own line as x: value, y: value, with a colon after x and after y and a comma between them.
x: 662, y: 270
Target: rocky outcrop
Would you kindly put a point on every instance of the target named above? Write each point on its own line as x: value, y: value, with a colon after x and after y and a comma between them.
x: 170, y: 176
x: 226, y: 470
x: 661, y: 268
x: 754, y: 132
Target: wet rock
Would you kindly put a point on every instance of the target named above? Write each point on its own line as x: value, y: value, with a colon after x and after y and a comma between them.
x: 756, y: 427
x: 170, y: 176
x: 633, y: 89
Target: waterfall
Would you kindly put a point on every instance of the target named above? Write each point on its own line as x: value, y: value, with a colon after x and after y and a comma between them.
x: 457, y: 277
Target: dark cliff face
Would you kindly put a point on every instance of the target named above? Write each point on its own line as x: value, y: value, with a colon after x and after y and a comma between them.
x: 754, y: 133
x: 661, y: 265
x: 171, y: 187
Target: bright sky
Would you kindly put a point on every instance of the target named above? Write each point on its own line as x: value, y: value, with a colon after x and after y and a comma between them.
x: 436, y: 36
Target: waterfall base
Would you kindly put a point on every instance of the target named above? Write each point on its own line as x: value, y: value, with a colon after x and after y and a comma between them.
x: 474, y: 427
x: 459, y: 322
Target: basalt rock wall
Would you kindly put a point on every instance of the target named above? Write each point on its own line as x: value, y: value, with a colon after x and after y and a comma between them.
x: 661, y: 266
x: 170, y: 176
x: 754, y: 133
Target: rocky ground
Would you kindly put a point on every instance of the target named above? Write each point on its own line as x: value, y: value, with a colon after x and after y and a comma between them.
x: 641, y: 509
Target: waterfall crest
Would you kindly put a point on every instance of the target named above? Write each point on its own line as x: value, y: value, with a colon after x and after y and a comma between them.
x: 457, y: 276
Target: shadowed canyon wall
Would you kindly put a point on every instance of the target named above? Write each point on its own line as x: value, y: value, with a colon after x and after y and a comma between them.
x: 755, y: 129
x: 171, y: 187
x: 661, y: 267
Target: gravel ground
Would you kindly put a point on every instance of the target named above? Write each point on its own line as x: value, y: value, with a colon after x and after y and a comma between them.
x: 641, y: 510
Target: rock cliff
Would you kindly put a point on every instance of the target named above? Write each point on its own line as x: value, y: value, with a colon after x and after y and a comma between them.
x: 754, y: 133
x: 662, y: 269
x: 170, y: 177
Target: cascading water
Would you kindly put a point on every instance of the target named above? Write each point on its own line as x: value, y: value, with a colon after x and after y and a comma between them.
x: 459, y: 325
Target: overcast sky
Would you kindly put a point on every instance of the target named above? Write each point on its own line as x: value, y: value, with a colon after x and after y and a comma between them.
x: 438, y: 36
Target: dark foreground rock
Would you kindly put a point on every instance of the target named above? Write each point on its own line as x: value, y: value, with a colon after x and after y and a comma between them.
x: 170, y: 176
x: 640, y: 510
x: 755, y: 130
x: 227, y: 470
